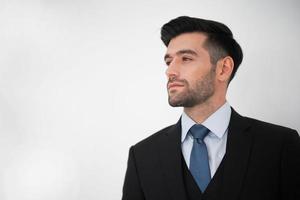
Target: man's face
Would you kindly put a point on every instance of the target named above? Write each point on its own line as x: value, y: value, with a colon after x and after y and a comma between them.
x: 191, y: 76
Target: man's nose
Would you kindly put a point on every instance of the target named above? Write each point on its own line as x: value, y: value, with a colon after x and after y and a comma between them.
x: 173, y: 69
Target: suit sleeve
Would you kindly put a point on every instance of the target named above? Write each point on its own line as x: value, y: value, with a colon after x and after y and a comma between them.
x: 291, y: 167
x: 132, y: 188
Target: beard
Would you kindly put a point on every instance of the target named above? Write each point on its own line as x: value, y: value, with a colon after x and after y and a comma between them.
x: 191, y: 96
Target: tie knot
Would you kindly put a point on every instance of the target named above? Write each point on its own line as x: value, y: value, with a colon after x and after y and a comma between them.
x: 199, y: 131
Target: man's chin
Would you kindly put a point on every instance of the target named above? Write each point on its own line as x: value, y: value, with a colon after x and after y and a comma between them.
x: 175, y: 103
x: 180, y: 102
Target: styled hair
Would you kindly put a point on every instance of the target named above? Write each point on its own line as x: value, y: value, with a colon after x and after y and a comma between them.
x: 219, y: 43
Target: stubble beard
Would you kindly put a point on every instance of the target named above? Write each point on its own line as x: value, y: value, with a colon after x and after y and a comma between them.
x: 192, y: 96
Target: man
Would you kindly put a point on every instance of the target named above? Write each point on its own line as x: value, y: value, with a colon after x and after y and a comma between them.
x: 212, y: 152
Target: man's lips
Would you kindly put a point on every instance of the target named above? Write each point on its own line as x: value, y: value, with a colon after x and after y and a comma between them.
x: 171, y: 85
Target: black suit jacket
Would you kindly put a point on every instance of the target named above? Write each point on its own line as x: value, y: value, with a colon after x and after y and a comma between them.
x: 262, y: 162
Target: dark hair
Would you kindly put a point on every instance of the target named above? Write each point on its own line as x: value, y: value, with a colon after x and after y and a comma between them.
x: 219, y: 43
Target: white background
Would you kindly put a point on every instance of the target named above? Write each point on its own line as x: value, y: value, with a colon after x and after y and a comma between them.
x: 82, y: 81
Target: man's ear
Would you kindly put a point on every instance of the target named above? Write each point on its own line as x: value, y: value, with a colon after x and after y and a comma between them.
x: 224, y: 69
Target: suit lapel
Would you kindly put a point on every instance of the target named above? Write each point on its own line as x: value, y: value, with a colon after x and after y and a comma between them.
x: 170, y: 155
x: 238, y: 148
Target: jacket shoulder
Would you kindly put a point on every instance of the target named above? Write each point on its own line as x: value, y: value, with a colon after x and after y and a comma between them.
x: 269, y: 126
x: 270, y: 129
x: 153, y: 139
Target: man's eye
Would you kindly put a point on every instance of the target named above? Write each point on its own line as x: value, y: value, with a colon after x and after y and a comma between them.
x: 186, y: 59
x: 168, y: 62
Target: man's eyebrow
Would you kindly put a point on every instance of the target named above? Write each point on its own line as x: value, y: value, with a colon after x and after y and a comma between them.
x: 183, y: 51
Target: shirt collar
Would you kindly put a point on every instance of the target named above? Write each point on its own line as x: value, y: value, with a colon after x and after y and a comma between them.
x: 217, y: 122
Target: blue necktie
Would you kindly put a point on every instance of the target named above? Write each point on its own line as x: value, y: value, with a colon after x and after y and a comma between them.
x: 199, y: 165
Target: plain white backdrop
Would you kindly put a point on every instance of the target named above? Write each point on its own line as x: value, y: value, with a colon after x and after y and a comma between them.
x: 82, y: 81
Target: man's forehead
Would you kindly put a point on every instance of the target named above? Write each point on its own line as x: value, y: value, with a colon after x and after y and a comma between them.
x: 192, y: 41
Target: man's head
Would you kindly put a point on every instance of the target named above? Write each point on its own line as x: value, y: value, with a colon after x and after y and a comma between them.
x: 201, y: 54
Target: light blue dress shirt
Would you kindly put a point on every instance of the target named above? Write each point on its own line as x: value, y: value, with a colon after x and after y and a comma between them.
x: 215, y: 141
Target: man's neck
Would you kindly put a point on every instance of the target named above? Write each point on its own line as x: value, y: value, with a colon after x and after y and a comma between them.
x: 201, y: 112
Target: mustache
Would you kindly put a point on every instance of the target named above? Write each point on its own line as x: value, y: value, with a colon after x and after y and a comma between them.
x: 174, y: 79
